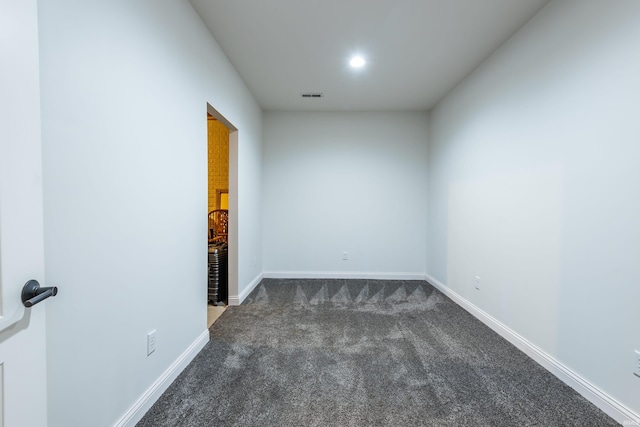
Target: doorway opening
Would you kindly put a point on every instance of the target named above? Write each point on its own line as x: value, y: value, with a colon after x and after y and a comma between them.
x: 222, y: 214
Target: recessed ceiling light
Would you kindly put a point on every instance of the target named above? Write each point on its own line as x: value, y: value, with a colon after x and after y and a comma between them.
x: 357, y: 61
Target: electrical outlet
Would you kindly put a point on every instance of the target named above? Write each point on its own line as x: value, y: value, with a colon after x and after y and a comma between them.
x: 151, y: 342
x: 345, y: 256
x: 636, y: 363
x: 477, y: 285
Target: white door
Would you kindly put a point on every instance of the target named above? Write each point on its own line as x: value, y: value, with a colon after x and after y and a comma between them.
x: 23, y: 382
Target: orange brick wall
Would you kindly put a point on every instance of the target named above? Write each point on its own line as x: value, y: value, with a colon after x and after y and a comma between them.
x: 218, y: 136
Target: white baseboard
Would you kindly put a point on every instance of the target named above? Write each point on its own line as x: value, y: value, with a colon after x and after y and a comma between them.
x: 149, y: 397
x: 593, y: 394
x: 237, y: 299
x: 341, y: 275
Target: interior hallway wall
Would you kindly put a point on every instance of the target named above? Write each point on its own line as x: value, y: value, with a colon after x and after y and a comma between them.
x: 533, y: 184
x: 125, y: 86
x: 345, y: 181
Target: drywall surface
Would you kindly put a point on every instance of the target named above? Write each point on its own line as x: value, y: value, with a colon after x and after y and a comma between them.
x: 350, y: 181
x: 125, y: 87
x: 533, y: 184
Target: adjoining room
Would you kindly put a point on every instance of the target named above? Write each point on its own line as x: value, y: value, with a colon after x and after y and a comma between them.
x: 218, y: 218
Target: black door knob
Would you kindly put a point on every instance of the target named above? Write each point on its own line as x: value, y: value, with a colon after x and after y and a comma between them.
x: 32, y: 293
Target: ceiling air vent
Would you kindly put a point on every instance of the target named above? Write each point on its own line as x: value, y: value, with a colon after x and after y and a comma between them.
x: 312, y: 95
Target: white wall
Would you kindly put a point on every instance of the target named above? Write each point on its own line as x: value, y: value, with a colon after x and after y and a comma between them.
x: 124, y: 91
x: 534, y: 183
x: 346, y: 181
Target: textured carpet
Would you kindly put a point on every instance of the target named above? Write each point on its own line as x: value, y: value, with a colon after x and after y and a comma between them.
x: 362, y: 353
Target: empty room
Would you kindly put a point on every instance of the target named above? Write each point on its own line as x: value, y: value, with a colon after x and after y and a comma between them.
x: 429, y: 213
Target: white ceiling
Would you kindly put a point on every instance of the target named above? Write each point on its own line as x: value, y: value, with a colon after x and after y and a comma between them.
x: 417, y: 50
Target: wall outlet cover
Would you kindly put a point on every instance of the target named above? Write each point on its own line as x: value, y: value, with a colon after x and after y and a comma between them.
x: 151, y: 342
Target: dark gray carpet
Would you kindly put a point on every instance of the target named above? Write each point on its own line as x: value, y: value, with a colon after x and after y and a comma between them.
x: 362, y: 353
